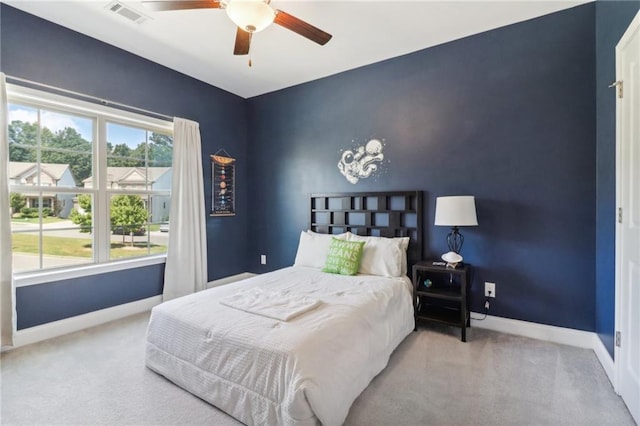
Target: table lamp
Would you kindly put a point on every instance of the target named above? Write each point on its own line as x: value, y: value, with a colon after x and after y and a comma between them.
x: 456, y: 211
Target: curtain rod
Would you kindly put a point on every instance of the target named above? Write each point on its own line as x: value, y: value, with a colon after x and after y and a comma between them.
x: 83, y: 96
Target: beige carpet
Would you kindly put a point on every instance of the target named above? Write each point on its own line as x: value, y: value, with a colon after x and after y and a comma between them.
x: 97, y: 376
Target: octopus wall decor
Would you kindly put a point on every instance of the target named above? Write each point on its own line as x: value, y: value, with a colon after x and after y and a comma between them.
x: 360, y: 163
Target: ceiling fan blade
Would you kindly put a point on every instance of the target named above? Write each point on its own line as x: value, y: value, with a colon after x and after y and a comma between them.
x: 160, y: 6
x: 243, y: 41
x: 298, y: 26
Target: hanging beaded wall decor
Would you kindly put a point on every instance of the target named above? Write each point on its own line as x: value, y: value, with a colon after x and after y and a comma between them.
x: 223, y: 182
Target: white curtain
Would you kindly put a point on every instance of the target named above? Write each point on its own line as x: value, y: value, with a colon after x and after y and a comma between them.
x: 186, y: 268
x: 7, y: 305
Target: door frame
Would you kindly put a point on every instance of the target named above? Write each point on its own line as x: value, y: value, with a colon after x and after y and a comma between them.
x: 634, y: 26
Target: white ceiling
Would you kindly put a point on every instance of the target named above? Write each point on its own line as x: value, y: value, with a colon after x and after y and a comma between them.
x: 199, y: 43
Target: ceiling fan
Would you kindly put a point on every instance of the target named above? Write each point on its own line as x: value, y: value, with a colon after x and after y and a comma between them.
x: 251, y: 16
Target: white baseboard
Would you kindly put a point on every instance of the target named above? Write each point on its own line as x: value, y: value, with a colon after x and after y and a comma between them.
x: 230, y: 279
x: 50, y: 330
x: 39, y: 333
x: 605, y: 359
x: 550, y: 333
x: 566, y: 336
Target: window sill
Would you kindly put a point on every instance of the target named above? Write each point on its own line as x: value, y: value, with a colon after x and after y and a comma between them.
x: 41, y: 277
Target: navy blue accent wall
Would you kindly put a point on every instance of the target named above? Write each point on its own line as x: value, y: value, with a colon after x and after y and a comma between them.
x: 39, y: 50
x: 507, y: 115
x: 612, y: 19
x: 43, y: 303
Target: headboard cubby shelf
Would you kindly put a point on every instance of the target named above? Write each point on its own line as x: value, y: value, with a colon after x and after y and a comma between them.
x: 382, y: 214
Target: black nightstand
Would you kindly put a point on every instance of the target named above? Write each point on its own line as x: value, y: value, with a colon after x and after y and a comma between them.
x: 441, y: 294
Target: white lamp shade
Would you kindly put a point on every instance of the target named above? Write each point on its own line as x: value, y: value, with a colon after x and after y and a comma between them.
x: 250, y: 15
x: 456, y: 211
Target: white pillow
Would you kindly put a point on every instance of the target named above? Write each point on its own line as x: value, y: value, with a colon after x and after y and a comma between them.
x: 404, y: 244
x: 382, y: 256
x: 313, y: 248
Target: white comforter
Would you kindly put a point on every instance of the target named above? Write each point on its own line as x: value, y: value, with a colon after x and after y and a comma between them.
x: 305, y: 371
x: 280, y: 305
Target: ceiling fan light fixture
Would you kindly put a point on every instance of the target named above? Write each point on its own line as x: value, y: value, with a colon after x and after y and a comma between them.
x: 250, y: 15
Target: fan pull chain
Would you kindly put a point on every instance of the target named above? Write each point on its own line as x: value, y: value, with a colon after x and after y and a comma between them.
x: 249, y: 52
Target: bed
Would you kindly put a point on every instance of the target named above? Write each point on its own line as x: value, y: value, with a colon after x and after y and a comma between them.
x: 308, y: 369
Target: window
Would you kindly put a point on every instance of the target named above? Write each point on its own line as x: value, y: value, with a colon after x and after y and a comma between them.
x: 89, y: 184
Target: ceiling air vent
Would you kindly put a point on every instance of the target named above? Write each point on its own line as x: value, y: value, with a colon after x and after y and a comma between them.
x: 126, y: 11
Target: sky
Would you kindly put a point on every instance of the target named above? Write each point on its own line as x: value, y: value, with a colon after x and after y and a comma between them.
x: 54, y: 121
x: 118, y: 134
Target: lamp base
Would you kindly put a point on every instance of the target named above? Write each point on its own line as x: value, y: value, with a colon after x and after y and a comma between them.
x: 452, y: 258
x: 455, y: 240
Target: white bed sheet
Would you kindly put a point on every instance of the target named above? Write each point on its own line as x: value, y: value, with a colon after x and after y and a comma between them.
x: 305, y: 371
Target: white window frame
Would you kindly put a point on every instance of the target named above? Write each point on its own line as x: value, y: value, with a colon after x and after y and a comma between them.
x: 100, y: 114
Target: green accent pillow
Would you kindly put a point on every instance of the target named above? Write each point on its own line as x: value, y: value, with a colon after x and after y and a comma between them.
x: 344, y: 257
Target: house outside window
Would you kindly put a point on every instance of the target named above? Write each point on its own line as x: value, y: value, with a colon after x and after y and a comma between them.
x: 89, y: 184
x: 44, y: 174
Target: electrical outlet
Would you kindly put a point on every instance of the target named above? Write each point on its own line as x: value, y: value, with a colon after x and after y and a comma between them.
x: 489, y: 289
x: 263, y: 259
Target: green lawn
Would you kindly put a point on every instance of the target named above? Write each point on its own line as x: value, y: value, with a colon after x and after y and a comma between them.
x: 77, y: 247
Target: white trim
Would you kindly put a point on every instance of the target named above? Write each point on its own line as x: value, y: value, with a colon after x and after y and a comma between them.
x: 583, y: 339
x: 626, y: 38
x: 66, y: 104
x: 549, y: 333
x: 605, y: 359
x: 101, y: 198
x: 94, y: 99
x: 618, y: 242
x: 81, y: 322
x: 230, y: 279
x: 92, y: 319
x: 49, y: 275
x: 100, y: 115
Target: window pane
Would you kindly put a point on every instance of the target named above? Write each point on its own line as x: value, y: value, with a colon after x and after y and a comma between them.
x: 160, y: 150
x: 66, y: 131
x: 23, y: 169
x: 130, y: 233
x: 159, y: 174
x: 66, y: 150
x: 138, y: 159
x: 42, y: 240
x: 25, y: 228
x: 66, y: 247
x: 27, y: 207
x: 81, y: 215
x: 159, y: 207
x: 65, y: 147
x: 51, y: 152
x: 126, y: 146
x: 25, y: 251
x: 65, y: 169
x: 23, y: 129
x: 47, y: 177
x: 23, y: 142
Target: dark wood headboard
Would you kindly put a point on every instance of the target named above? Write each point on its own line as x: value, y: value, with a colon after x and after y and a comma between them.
x: 380, y: 214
